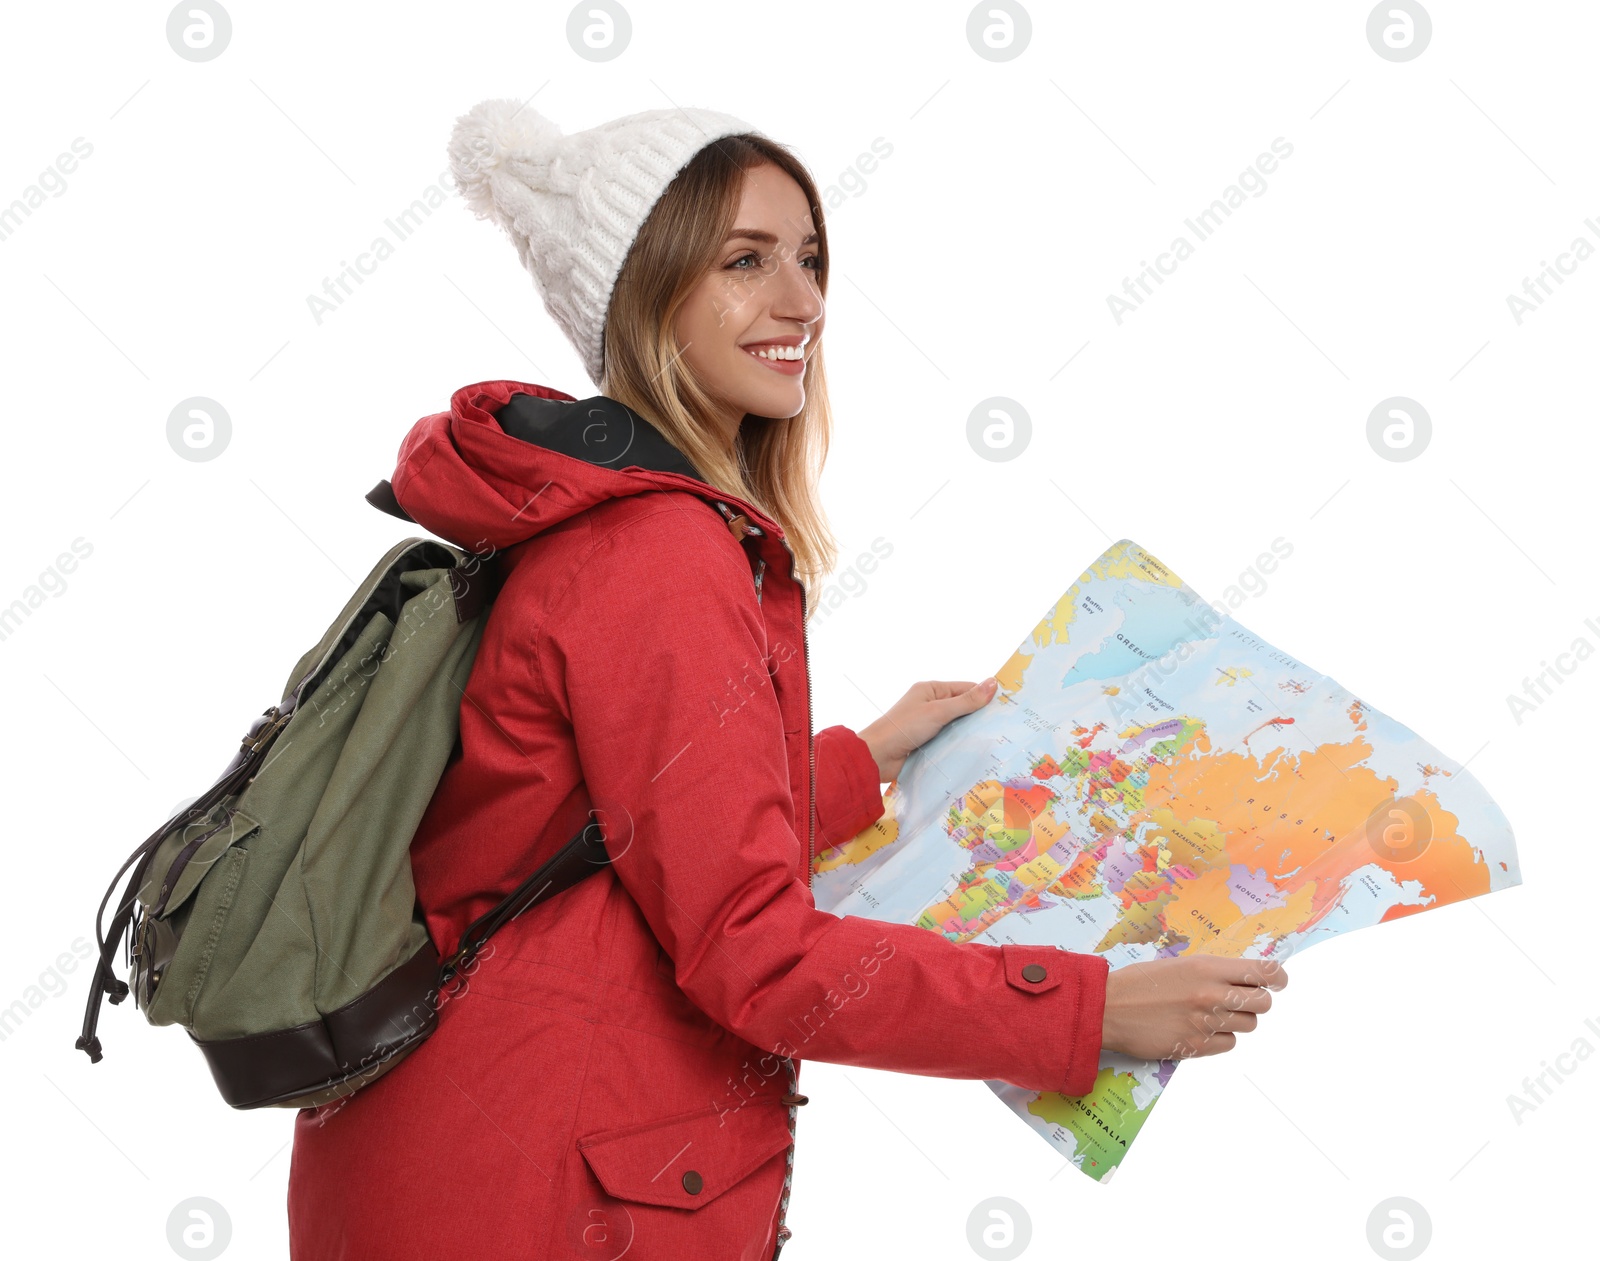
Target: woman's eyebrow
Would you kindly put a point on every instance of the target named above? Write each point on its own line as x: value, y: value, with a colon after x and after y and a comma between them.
x: 766, y: 238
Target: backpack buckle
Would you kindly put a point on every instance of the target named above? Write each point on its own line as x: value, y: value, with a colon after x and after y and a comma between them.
x: 453, y: 966
x: 264, y: 728
x: 450, y: 967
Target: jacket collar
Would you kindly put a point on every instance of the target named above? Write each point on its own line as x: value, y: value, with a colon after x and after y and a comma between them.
x: 511, y: 459
x: 598, y: 430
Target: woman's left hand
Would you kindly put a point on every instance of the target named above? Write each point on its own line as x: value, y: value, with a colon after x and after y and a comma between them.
x: 917, y: 717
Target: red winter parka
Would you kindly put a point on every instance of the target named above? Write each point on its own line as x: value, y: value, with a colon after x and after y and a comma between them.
x: 618, y: 1076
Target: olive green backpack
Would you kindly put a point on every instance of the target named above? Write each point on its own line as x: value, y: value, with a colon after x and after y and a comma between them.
x: 275, y: 917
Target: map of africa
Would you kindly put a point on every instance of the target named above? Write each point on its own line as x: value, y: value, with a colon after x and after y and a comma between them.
x: 1149, y: 780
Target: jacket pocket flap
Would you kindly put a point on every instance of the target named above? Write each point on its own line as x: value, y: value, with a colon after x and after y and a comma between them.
x: 687, y: 1160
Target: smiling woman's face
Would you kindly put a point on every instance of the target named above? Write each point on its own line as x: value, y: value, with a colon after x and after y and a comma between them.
x: 758, y: 305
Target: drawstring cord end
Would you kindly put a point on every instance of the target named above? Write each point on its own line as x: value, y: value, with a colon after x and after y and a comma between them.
x: 116, y: 989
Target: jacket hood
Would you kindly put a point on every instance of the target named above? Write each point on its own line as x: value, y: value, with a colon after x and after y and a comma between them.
x: 510, y: 459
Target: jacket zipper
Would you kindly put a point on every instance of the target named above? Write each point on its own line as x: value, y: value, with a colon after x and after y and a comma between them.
x: 783, y: 1232
x: 741, y: 527
x: 811, y: 753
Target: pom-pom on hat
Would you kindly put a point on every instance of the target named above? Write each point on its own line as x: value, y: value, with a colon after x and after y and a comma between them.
x: 572, y: 205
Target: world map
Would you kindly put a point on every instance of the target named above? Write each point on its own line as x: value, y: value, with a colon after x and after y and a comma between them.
x: 1150, y: 780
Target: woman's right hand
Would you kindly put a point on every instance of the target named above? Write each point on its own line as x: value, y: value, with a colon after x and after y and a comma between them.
x: 1170, y: 1009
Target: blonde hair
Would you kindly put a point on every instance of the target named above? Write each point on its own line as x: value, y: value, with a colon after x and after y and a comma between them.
x: 776, y: 461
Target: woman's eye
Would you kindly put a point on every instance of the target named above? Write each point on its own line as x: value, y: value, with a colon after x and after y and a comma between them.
x: 815, y: 261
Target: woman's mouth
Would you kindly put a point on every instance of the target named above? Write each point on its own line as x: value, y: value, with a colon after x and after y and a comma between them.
x: 777, y: 358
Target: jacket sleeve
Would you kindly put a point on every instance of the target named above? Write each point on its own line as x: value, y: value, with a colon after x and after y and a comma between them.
x: 639, y: 655
x: 849, y: 792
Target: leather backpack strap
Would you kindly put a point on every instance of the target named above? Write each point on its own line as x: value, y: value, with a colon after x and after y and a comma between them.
x: 578, y: 859
x: 382, y: 497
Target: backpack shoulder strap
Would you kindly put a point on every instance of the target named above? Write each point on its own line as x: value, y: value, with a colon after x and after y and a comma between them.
x: 382, y: 497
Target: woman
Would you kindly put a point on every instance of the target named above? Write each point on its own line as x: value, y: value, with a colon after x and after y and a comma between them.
x: 619, y: 1075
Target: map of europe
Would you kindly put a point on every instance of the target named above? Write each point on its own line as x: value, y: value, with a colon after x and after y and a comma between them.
x: 1151, y: 779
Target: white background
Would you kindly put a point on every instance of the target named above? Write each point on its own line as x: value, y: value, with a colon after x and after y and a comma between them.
x: 975, y: 261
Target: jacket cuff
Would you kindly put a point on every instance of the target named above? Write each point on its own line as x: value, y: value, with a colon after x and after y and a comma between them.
x: 850, y: 797
x: 1080, y: 981
x: 1084, y: 1066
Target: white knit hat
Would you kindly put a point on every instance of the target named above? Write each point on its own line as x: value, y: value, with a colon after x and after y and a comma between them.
x: 572, y: 205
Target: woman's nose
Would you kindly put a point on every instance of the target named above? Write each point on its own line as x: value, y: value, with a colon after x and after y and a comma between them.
x: 793, y: 293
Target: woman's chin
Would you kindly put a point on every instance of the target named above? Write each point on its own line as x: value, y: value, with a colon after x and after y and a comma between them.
x: 779, y: 399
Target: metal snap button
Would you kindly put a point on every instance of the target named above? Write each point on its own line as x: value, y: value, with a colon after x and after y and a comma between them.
x: 1033, y: 972
x: 692, y: 1182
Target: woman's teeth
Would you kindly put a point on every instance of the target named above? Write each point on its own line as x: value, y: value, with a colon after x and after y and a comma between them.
x: 778, y: 352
